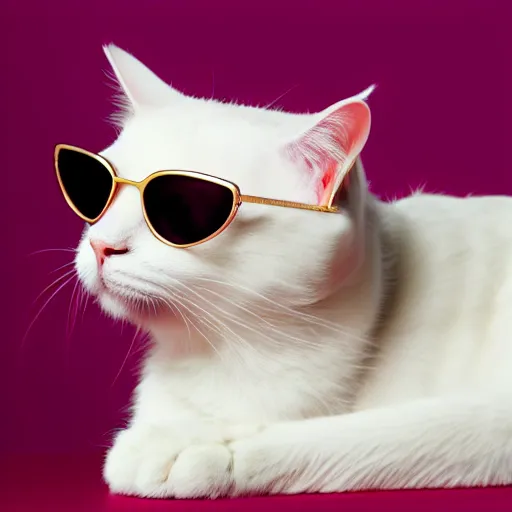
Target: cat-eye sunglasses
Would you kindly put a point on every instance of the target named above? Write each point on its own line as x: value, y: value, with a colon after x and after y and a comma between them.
x: 181, y: 208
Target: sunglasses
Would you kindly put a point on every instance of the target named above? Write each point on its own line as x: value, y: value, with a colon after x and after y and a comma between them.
x: 181, y: 208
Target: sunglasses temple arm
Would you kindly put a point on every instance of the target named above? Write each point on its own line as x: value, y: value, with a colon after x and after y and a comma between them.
x: 287, y: 204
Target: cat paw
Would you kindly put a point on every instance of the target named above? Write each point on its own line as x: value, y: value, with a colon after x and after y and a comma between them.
x: 152, y: 462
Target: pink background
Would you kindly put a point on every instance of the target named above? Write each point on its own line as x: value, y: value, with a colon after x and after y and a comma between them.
x: 441, y: 112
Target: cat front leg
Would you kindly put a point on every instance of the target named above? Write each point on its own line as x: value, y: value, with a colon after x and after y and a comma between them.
x: 451, y: 442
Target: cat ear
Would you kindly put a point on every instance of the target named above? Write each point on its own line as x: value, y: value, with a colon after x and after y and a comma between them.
x: 141, y: 86
x: 330, y: 145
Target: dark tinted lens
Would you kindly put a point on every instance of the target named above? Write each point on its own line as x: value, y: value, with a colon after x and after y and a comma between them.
x: 185, y: 210
x: 87, y: 181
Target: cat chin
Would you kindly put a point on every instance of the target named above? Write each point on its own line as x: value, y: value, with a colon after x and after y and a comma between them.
x: 136, y: 312
x: 113, y: 306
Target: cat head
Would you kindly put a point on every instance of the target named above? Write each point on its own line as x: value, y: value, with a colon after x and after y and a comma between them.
x: 268, y: 253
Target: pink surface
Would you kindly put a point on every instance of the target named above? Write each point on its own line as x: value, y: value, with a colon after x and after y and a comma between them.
x: 66, y: 483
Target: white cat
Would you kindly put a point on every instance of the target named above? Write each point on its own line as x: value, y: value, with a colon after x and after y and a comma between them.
x: 302, y: 351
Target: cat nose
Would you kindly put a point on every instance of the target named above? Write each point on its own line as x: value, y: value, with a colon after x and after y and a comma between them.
x: 103, y: 250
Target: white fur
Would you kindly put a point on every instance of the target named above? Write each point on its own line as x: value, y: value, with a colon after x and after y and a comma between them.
x: 302, y: 351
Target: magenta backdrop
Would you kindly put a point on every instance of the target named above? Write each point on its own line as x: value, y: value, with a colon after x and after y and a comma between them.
x: 441, y: 117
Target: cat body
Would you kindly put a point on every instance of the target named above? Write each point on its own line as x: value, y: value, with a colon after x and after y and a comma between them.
x: 302, y: 351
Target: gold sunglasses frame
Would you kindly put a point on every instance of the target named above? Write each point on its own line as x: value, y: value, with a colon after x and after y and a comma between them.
x: 238, y: 197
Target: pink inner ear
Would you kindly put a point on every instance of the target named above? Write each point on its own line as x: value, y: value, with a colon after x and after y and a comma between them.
x: 348, y: 128
x: 326, y: 184
x: 329, y: 148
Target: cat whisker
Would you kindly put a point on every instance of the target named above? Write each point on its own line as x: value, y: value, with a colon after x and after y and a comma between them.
x: 215, y: 325
x: 84, y: 300
x: 176, y: 302
x: 137, y: 332
x: 72, y: 310
x: 53, y: 295
x: 307, y: 318
x: 211, y: 326
x: 259, y: 318
x: 57, y: 249
x: 230, y: 331
x: 274, y: 328
x: 212, y: 345
x: 248, y: 327
x: 280, y: 97
x: 227, y: 333
x: 68, y: 264
x: 69, y: 273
